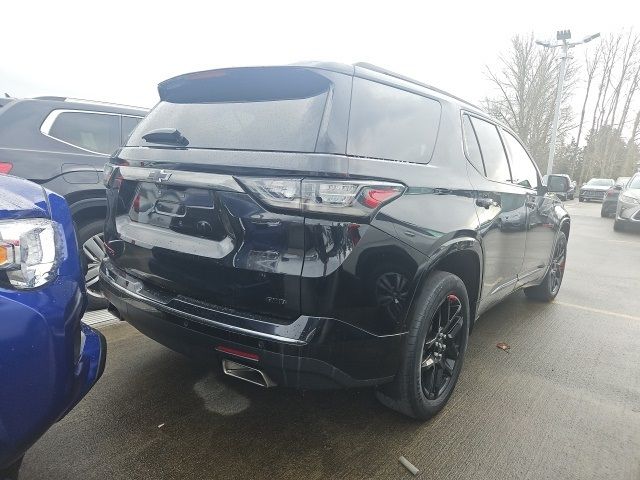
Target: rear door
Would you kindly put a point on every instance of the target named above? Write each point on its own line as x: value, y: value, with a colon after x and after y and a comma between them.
x: 541, y: 228
x: 500, y: 206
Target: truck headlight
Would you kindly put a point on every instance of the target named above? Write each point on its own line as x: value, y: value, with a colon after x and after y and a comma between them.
x: 30, y: 252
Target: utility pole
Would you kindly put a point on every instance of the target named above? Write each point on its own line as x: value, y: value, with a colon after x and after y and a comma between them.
x: 563, y: 38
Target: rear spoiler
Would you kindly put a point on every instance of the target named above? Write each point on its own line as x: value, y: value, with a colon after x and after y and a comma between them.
x: 244, y: 84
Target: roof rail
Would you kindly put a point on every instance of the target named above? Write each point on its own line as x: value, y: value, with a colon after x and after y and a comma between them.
x: 89, y: 102
x: 51, y: 97
x: 384, y: 71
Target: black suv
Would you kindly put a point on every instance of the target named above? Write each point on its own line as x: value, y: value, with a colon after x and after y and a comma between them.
x: 63, y: 144
x: 323, y: 225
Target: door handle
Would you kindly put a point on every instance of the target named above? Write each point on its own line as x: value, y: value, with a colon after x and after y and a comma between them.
x: 485, y: 202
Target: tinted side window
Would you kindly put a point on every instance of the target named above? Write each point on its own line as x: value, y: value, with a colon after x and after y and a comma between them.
x: 91, y: 131
x: 522, y: 169
x: 557, y: 184
x: 471, y: 144
x: 390, y: 123
x: 128, y: 124
x: 495, y: 160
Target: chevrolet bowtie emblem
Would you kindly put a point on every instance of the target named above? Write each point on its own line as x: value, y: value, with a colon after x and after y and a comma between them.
x: 159, y: 176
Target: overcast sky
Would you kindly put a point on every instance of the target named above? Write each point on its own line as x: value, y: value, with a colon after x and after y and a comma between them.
x: 118, y: 51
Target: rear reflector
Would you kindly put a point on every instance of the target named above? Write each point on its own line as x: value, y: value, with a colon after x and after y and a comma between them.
x: 5, y: 167
x: 238, y: 353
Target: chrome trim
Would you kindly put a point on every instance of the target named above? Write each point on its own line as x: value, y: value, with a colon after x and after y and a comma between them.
x: 244, y: 372
x: 103, y: 104
x: 504, y: 285
x: 532, y: 272
x: 107, y: 276
x: 179, y: 177
x: 48, y: 122
x: 149, y: 236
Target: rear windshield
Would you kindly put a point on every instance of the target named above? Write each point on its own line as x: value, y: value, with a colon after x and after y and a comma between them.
x: 600, y: 182
x: 278, y: 109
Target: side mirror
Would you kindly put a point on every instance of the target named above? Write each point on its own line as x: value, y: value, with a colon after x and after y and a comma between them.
x: 617, y: 187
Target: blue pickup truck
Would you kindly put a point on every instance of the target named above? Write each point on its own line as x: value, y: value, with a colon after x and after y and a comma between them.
x: 48, y: 358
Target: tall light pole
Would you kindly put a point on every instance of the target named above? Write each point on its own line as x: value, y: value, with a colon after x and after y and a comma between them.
x: 563, y: 41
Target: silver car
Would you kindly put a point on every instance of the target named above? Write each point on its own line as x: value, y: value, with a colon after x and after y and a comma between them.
x: 628, y: 209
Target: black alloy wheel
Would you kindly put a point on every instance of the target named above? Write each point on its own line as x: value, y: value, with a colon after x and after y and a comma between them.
x: 433, y: 350
x: 442, y: 347
x: 392, y: 292
x: 550, y: 285
x: 556, y: 270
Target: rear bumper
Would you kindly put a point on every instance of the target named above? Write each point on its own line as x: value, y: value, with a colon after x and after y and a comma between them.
x: 593, y: 195
x: 310, y: 352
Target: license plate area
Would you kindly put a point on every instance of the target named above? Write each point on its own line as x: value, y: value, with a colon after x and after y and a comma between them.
x: 187, y: 210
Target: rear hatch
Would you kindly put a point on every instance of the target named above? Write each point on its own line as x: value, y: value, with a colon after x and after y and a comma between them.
x: 181, y: 217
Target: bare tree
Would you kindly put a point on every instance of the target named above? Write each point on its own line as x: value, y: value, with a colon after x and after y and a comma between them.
x: 526, y: 84
x: 607, y: 153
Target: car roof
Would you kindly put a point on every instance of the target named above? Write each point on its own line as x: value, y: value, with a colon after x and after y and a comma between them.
x: 93, y: 105
x: 373, y: 72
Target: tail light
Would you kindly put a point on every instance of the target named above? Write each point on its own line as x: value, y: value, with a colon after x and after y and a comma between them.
x: 5, y: 167
x: 347, y: 198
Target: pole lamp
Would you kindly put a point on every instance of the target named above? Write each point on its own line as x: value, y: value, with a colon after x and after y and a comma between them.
x: 563, y: 40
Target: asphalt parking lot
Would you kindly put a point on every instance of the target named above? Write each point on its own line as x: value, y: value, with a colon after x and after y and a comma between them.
x: 563, y: 404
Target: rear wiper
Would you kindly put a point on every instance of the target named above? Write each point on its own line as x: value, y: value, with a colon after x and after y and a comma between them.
x: 169, y: 136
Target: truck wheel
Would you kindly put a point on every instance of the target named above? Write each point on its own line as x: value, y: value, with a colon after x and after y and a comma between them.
x: 433, y: 350
x: 90, y: 240
x: 550, y: 286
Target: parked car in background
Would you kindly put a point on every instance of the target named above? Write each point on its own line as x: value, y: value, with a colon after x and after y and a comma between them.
x: 325, y: 225
x: 63, y: 144
x: 610, y: 201
x: 628, y: 208
x: 561, y: 185
x: 48, y: 359
x: 595, y: 189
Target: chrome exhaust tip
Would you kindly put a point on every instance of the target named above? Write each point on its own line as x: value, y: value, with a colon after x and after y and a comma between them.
x: 248, y: 374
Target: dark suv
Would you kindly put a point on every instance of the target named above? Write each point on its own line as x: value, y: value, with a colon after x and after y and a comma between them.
x: 323, y: 225
x: 63, y: 144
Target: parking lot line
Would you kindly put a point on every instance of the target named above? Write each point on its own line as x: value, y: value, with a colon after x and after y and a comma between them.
x: 597, y: 310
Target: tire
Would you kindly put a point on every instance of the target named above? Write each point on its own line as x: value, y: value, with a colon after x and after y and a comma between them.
x: 90, y: 242
x: 618, y: 226
x: 12, y: 471
x: 421, y: 369
x: 580, y: 199
x: 603, y: 212
x: 552, y: 281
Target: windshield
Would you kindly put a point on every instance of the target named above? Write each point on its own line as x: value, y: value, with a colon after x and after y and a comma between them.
x: 600, y: 182
x: 635, y: 182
